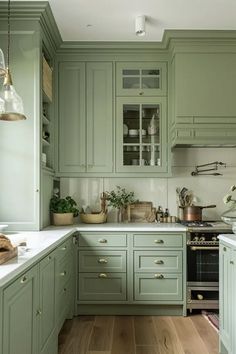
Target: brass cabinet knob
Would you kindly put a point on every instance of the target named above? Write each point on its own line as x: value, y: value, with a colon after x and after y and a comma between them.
x: 102, y: 240
x: 64, y: 290
x: 23, y: 279
x: 141, y: 93
x: 159, y: 276
x: 64, y: 248
x: 231, y: 262
x: 63, y: 273
x: 49, y: 258
x: 102, y: 260
x: 159, y: 241
x: 102, y: 275
x: 224, y: 249
x: 158, y: 261
x: 38, y: 312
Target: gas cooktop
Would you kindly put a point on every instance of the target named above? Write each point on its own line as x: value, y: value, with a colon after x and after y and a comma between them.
x: 211, y: 226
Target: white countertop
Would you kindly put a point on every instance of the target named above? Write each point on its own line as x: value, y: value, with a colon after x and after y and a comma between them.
x: 230, y: 239
x: 39, y: 243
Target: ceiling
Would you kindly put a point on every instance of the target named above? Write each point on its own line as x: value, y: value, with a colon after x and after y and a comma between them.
x: 114, y: 20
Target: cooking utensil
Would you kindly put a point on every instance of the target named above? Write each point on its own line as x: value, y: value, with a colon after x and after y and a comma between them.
x: 194, y: 212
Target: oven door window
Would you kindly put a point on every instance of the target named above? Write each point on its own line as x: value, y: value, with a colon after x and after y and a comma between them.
x: 203, y: 265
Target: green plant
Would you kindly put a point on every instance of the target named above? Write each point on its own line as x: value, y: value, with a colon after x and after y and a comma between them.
x: 120, y: 198
x: 228, y: 198
x: 63, y: 205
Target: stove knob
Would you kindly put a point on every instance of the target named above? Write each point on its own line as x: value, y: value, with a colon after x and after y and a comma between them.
x: 214, y: 238
x: 196, y: 238
x: 202, y: 238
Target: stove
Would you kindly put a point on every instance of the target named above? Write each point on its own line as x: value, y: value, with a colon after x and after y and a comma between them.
x: 208, y: 226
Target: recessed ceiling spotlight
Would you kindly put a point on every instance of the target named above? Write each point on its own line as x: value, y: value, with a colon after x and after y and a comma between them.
x: 140, y: 25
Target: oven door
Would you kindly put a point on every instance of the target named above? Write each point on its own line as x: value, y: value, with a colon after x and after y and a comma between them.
x: 202, y: 264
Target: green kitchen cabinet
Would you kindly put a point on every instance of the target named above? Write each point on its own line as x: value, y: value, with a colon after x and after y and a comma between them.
x: 203, y: 101
x: 141, y: 79
x: 141, y: 135
x: 20, y: 314
x: 85, y: 117
x: 227, y: 298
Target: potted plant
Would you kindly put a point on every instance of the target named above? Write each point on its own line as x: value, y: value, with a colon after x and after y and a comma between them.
x: 63, y: 210
x: 120, y: 199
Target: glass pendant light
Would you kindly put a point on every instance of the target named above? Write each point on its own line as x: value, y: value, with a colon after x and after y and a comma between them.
x: 11, y: 104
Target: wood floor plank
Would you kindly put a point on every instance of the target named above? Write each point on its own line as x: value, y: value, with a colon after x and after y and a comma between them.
x: 168, y: 342
x: 189, y: 337
x: 208, y: 334
x: 123, y: 335
x: 99, y: 352
x: 147, y: 349
x: 101, y: 337
x: 77, y: 341
x: 144, y: 330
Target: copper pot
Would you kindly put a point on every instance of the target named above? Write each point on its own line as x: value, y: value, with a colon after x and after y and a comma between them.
x: 194, y: 212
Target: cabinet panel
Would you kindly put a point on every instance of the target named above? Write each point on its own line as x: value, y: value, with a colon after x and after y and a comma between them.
x: 159, y: 261
x: 158, y: 240
x: 72, y: 119
x: 99, y: 117
x: 102, y: 286
x: 102, y: 240
x: 102, y: 261
x: 20, y: 301
x: 158, y: 287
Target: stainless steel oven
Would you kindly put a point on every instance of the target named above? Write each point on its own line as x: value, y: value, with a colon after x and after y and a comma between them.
x: 203, y: 265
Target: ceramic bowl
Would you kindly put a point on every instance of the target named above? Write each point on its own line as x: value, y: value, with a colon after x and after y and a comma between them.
x: 3, y: 227
x: 133, y: 132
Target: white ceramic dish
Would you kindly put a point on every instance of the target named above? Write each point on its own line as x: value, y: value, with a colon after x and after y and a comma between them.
x: 133, y: 132
x: 3, y: 227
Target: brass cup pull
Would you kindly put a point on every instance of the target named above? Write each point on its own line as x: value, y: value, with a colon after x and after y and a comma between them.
x: 159, y: 241
x: 159, y: 276
x: 23, y: 279
x: 102, y: 260
x: 102, y: 240
x: 158, y: 262
x: 102, y: 275
x: 63, y: 273
x: 64, y: 248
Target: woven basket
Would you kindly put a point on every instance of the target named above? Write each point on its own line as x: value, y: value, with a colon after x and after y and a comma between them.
x: 96, y: 218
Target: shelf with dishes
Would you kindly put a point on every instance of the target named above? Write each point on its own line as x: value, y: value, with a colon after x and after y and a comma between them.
x: 141, y: 155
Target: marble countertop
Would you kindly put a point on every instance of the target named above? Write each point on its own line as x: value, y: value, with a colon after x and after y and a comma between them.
x: 228, y: 238
x: 40, y: 243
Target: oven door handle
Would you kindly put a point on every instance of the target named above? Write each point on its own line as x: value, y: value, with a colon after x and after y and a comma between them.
x: 204, y: 248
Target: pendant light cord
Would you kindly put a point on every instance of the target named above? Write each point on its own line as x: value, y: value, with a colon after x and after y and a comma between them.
x: 8, y: 34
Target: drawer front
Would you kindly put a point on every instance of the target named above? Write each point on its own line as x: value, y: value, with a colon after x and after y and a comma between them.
x: 158, y: 261
x: 64, y: 271
x: 101, y: 239
x: 158, y: 240
x: 102, y: 261
x: 64, y: 301
x: 102, y: 286
x: 158, y: 286
x: 65, y: 248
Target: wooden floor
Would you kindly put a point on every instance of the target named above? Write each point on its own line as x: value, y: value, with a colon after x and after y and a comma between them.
x: 138, y: 335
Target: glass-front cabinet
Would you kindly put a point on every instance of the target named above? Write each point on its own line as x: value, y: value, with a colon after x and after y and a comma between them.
x: 141, y: 140
x: 141, y: 79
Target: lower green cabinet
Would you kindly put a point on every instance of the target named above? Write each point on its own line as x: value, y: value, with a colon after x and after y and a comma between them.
x: 20, y: 315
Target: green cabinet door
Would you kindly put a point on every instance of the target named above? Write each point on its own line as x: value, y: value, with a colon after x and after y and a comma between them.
x: 47, y: 304
x: 72, y: 119
x: 85, y: 117
x: 20, y: 313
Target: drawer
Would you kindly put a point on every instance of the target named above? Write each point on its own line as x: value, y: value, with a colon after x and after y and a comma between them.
x: 101, y: 239
x: 65, y: 248
x: 102, y: 286
x: 64, y: 302
x: 158, y: 261
x: 64, y: 271
x: 102, y: 261
x: 158, y: 240
x: 158, y: 286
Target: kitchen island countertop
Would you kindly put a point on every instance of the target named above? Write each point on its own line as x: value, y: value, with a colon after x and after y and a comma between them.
x: 228, y: 238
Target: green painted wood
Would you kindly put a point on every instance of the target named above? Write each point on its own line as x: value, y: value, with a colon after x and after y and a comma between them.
x: 102, y: 239
x: 64, y: 301
x: 64, y: 268
x: 46, y: 194
x: 120, y: 103
x: 20, y: 305
x: 72, y: 119
x: 149, y: 287
x: 99, y: 103
x: 47, y: 318
x: 102, y: 286
x: 102, y: 261
x: 132, y: 79
x: 65, y: 248
x: 160, y: 240
x: 158, y: 261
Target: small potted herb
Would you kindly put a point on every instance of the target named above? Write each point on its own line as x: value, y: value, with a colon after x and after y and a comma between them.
x: 120, y: 199
x: 63, y: 210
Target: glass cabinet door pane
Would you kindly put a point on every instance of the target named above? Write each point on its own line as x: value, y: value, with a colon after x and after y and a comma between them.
x: 131, y: 134
x: 131, y: 82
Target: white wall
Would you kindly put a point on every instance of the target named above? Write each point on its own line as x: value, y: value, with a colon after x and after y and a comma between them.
x: 161, y: 191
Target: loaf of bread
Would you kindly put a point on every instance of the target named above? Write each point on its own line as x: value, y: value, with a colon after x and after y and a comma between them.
x: 5, y: 244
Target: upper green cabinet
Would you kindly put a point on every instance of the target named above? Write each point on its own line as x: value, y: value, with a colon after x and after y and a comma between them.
x: 203, y: 98
x: 140, y: 79
x: 85, y: 117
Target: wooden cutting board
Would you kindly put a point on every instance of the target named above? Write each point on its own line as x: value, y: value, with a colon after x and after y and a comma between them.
x: 7, y: 255
x: 139, y: 212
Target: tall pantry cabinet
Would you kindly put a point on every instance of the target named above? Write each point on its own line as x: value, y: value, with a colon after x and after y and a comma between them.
x: 22, y: 177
